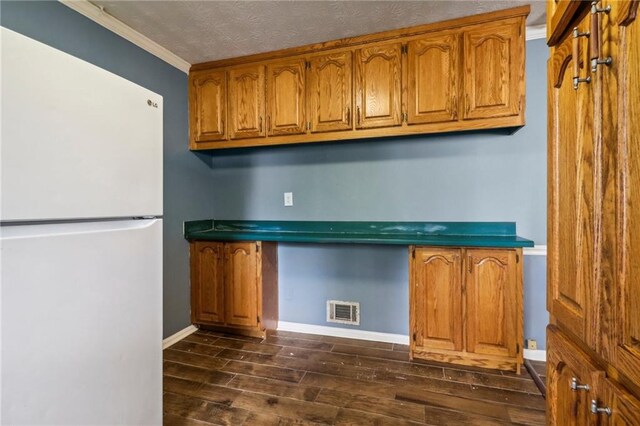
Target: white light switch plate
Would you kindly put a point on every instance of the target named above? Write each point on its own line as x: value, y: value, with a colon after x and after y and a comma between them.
x: 288, y: 199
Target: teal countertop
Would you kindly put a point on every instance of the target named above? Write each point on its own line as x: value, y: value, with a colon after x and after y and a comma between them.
x: 459, y: 234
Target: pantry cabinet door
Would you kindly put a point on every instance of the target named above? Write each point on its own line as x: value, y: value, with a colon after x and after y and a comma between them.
x: 378, y: 86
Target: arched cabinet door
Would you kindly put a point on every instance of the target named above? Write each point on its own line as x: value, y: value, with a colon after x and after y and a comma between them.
x: 378, y: 86
x: 436, y: 299
x: 433, y: 79
x: 572, y: 222
x: 241, y: 284
x: 246, y: 102
x: 208, y: 106
x: 330, y: 98
x: 286, y: 101
x: 207, y: 281
x: 493, y: 70
x: 493, y: 293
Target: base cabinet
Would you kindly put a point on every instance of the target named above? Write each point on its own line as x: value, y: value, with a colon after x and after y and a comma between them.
x: 466, y: 306
x: 234, y: 286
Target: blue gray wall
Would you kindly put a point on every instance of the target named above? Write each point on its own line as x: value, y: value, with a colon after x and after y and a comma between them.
x: 475, y: 176
x: 187, y: 176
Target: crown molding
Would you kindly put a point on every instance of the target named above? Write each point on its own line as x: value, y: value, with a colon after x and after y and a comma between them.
x: 100, y: 16
x: 536, y: 32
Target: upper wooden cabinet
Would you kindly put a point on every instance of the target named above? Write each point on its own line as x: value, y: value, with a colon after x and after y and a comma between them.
x: 461, y: 74
x: 329, y: 92
x: 494, y: 70
x: 434, y: 78
x: 208, y: 106
x: 246, y: 102
x: 286, y: 100
x: 466, y: 306
x: 378, y: 86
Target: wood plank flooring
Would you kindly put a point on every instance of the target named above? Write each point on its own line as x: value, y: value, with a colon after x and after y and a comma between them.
x: 293, y: 378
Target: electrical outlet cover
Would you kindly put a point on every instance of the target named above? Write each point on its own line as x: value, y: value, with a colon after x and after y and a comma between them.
x: 288, y: 199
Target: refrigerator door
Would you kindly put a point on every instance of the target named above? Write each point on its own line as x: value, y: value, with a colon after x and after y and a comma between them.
x: 77, y: 141
x: 82, y: 323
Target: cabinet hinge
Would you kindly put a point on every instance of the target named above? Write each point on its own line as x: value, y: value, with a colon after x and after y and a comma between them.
x: 405, y: 49
x: 307, y: 65
x: 517, y: 348
x: 308, y: 125
x: 414, y: 337
x: 413, y: 254
x: 257, y: 247
x: 258, y: 318
x: 517, y: 258
x: 405, y: 117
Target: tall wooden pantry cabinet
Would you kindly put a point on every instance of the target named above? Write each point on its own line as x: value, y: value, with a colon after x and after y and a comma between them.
x: 593, y: 297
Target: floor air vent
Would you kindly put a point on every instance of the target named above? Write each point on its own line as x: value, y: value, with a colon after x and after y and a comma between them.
x: 343, y: 312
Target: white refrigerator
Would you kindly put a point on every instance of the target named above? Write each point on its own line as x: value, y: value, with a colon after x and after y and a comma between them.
x: 80, y: 242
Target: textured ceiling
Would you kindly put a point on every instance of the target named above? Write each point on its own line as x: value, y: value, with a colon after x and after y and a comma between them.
x: 200, y: 31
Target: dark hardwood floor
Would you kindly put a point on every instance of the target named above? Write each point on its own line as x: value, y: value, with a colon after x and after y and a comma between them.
x: 293, y: 378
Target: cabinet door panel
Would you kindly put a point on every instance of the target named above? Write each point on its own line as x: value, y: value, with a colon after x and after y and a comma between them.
x: 207, y: 278
x: 246, y: 102
x: 492, y: 289
x: 433, y: 79
x: 565, y: 362
x: 625, y: 408
x: 437, y: 299
x: 571, y: 190
x: 627, y: 58
x: 494, y: 74
x: 378, y: 86
x: 330, y: 97
x: 241, y: 284
x: 286, y: 100
x: 208, y: 106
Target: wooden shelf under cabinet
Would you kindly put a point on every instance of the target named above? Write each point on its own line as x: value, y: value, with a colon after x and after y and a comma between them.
x: 234, y: 286
x: 466, y: 306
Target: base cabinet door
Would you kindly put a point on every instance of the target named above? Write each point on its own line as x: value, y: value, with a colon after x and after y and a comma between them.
x: 436, y: 294
x: 207, y: 282
x: 466, y: 306
x: 492, y: 292
x: 617, y: 408
x: 241, y: 284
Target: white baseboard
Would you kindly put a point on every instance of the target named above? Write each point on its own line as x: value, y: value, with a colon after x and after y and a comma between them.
x: 538, y: 250
x: 343, y: 332
x: 175, y: 338
x: 535, y: 355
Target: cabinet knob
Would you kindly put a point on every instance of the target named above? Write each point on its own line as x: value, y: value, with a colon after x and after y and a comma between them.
x: 576, y: 387
x: 599, y: 410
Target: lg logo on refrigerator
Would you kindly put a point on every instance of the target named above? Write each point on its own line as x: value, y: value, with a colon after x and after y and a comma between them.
x: 151, y: 103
